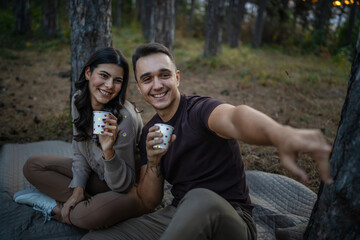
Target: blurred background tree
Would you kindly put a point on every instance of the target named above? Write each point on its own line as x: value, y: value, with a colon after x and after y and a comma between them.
x: 322, y: 27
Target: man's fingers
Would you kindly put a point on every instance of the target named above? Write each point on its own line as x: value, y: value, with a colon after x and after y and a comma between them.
x: 289, y: 163
x: 173, y: 138
x: 322, y: 160
x: 153, y: 128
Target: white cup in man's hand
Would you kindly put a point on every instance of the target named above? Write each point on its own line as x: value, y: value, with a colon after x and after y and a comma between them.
x: 166, y: 131
x: 98, y: 121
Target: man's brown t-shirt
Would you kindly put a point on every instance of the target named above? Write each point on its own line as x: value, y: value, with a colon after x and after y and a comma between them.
x: 199, y: 158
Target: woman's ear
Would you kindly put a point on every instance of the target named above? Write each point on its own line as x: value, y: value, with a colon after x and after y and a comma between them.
x: 87, y: 73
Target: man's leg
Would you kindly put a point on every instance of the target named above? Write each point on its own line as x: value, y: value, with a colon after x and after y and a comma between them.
x: 147, y: 227
x: 203, y: 214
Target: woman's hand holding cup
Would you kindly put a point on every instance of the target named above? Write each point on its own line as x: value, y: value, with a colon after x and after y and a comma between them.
x: 108, y: 134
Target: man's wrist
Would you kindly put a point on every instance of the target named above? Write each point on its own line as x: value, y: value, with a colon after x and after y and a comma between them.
x: 280, y: 134
x: 154, y: 167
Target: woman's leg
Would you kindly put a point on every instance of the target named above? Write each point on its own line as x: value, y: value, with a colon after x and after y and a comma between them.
x: 50, y: 174
x: 102, y: 207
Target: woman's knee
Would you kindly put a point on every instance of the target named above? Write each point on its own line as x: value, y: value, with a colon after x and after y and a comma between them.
x: 29, y: 166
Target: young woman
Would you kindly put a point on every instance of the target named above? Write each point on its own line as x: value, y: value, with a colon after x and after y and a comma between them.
x: 91, y: 190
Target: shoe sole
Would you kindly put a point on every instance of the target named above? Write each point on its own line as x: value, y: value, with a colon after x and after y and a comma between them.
x: 25, y: 191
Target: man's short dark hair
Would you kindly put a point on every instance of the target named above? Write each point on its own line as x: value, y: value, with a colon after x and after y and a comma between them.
x: 148, y: 49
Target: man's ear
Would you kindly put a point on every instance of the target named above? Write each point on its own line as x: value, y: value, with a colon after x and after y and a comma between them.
x: 87, y: 73
x: 178, y: 77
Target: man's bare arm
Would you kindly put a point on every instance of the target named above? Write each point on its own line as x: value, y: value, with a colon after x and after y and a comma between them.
x: 251, y: 126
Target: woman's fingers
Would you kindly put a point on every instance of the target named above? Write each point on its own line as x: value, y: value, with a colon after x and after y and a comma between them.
x: 65, y: 214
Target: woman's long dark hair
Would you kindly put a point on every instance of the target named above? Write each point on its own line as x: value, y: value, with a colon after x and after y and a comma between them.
x: 82, y: 102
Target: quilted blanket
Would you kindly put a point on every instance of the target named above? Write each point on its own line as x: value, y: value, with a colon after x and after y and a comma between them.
x: 282, y: 205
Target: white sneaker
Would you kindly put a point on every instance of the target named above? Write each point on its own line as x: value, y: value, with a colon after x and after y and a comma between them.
x: 36, y: 199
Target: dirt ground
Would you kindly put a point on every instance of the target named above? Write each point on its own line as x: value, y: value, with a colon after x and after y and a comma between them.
x: 35, y: 97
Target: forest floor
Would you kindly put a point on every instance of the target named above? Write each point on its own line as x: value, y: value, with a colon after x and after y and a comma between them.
x: 303, y: 91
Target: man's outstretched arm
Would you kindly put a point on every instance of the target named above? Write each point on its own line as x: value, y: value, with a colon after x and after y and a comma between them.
x: 253, y: 127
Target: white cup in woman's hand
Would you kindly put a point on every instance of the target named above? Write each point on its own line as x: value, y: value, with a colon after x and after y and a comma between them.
x: 98, y: 121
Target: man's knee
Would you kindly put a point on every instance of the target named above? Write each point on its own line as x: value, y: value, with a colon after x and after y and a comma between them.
x: 204, y: 201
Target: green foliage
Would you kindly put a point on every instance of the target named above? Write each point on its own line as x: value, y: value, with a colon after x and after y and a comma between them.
x: 35, y: 16
x: 6, y: 21
x: 127, y: 39
x: 343, y: 57
x: 34, y: 39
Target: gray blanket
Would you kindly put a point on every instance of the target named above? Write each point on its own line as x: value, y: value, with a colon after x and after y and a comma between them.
x: 282, y: 205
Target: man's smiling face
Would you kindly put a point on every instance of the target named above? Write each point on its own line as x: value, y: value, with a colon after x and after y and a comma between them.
x: 158, y: 82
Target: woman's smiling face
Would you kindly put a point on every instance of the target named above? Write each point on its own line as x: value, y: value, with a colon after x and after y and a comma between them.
x: 105, y: 83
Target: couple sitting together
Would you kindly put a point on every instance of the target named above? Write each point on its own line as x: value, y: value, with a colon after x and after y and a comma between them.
x: 99, y: 188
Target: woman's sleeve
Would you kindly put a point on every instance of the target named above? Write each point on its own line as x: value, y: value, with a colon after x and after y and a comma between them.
x: 119, y: 171
x: 80, y: 167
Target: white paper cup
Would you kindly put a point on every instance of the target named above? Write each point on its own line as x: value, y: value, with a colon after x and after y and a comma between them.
x: 166, y: 130
x: 98, y: 121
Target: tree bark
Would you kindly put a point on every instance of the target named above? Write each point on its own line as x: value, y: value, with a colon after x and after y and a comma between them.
x: 230, y: 15
x: 163, y: 26
x: 4, y: 4
x: 147, y: 18
x: 349, y: 33
x: 336, y: 214
x: 322, y: 14
x: 21, y: 16
x: 137, y: 9
x: 117, y: 17
x: 49, y: 17
x: 215, y: 12
x: 90, y: 25
x: 256, y: 41
x: 191, y: 18
x: 239, y: 8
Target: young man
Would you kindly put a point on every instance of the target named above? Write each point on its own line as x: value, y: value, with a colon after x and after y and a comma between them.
x: 203, y: 163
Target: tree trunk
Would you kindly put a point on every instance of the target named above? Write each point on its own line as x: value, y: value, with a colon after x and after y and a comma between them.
x: 4, y: 4
x: 215, y: 12
x: 230, y: 16
x: 191, y: 18
x: 239, y: 9
x: 137, y: 10
x: 259, y: 24
x: 117, y: 17
x: 163, y: 28
x: 147, y: 18
x: 49, y: 17
x: 90, y: 26
x: 336, y: 214
x: 322, y: 14
x: 21, y: 16
x: 349, y: 33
